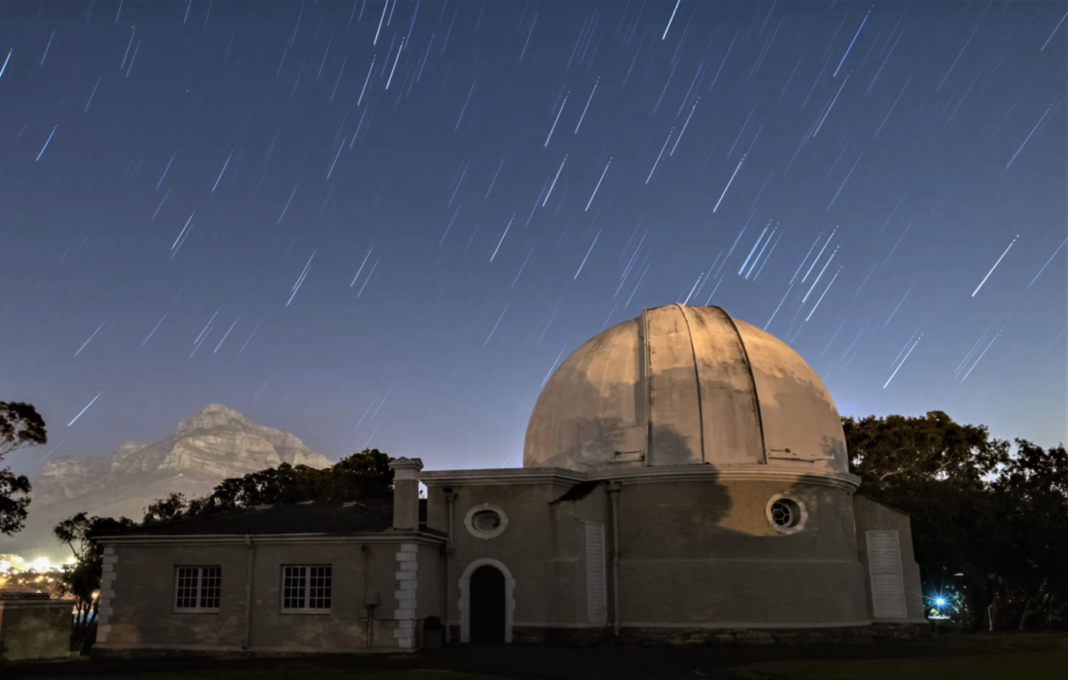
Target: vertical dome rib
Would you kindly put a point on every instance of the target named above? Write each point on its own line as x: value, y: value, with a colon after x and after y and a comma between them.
x: 697, y: 379
x: 730, y: 425
x: 682, y: 386
x: 752, y: 377
x: 672, y: 384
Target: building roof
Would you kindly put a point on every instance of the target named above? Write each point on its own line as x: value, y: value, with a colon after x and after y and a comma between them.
x: 338, y: 518
x: 684, y: 385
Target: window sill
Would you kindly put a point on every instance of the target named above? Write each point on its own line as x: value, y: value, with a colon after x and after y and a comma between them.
x: 195, y: 611
x: 306, y: 612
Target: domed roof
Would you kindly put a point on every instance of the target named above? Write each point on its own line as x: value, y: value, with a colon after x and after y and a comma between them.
x: 685, y: 385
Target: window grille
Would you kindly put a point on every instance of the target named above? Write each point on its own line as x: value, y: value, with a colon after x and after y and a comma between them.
x: 783, y: 515
x: 486, y: 520
x: 596, y: 592
x: 307, y: 589
x: 198, y: 589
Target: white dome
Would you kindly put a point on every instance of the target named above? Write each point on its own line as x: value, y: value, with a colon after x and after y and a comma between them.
x: 685, y: 386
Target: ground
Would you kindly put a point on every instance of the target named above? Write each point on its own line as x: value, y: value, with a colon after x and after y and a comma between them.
x: 1031, y: 656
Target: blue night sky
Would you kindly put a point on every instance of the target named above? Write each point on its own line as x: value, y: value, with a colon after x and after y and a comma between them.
x: 384, y: 226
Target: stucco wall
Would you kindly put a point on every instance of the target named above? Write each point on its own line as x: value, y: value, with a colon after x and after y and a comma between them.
x: 344, y: 627
x: 543, y: 547
x: 431, y: 583
x: 873, y: 516
x: 705, y: 553
x: 142, y: 614
x: 692, y: 553
x: 142, y: 604
x: 36, y: 629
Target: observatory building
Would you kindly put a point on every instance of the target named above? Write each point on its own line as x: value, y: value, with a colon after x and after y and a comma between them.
x: 685, y: 480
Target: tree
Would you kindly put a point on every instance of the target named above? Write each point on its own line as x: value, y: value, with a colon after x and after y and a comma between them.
x: 20, y: 426
x: 897, y: 452
x: 360, y: 476
x: 82, y: 579
x: 1031, y: 497
x: 987, y: 525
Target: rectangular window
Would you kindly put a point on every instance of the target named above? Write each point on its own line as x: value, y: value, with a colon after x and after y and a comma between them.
x: 198, y: 589
x: 307, y: 589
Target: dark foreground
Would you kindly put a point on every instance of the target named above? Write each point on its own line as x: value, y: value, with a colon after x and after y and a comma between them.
x: 1032, y: 656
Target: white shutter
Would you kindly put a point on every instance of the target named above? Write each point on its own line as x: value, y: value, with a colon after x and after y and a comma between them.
x: 596, y: 596
x: 887, y: 579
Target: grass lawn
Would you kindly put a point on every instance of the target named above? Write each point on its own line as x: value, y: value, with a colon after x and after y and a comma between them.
x: 1027, y: 656
x: 416, y: 674
x: 294, y: 672
x: 1029, y: 665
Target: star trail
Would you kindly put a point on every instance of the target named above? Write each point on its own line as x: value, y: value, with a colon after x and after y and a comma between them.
x: 384, y: 220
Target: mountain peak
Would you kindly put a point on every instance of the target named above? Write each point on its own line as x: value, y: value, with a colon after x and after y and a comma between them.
x: 214, y: 415
x: 220, y: 409
x: 214, y: 444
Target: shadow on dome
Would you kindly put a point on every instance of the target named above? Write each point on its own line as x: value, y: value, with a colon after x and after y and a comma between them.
x: 604, y: 445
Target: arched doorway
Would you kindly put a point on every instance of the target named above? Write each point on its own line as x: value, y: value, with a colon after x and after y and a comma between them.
x: 487, y: 602
x: 487, y: 605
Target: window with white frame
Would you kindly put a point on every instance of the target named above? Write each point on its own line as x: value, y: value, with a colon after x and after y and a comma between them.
x: 197, y: 589
x: 307, y: 589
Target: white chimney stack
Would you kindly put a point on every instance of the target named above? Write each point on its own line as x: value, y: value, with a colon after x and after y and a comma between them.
x: 406, y: 493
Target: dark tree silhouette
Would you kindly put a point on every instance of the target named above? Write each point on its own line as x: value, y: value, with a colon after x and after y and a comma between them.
x: 82, y: 579
x: 359, y: 476
x: 988, y: 525
x: 20, y: 426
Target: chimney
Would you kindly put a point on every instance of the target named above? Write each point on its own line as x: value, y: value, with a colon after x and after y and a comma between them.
x: 406, y: 493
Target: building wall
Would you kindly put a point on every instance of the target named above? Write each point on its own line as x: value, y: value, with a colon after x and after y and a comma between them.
x: 36, y: 629
x: 142, y: 598
x: 344, y: 627
x: 543, y: 547
x: 431, y: 580
x: 141, y: 604
x: 874, y: 516
x: 699, y: 554
x: 703, y: 553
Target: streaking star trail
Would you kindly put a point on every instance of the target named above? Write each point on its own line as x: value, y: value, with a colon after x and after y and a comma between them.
x: 837, y: 173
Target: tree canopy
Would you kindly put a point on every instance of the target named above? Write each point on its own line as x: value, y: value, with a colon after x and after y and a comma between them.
x: 20, y: 426
x: 988, y: 524
x: 362, y: 475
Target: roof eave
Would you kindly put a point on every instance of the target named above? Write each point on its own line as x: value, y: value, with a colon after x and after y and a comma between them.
x: 543, y: 475
x: 391, y: 536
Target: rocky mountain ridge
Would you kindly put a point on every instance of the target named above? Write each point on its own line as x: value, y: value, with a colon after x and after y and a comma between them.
x: 216, y: 443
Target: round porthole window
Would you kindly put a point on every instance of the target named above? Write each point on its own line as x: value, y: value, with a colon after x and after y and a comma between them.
x: 486, y: 521
x: 786, y: 514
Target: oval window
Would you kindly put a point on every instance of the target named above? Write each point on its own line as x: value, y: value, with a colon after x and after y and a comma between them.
x: 486, y: 520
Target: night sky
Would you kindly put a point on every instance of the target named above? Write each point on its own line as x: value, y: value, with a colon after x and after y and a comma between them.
x: 384, y: 226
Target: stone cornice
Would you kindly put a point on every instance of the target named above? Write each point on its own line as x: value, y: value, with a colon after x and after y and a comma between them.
x: 546, y: 475
x: 754, y: 473
x: 643, y: 475
x: 273, y: 539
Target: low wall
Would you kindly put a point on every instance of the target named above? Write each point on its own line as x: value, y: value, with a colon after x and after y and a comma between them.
x: 36, y: 628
